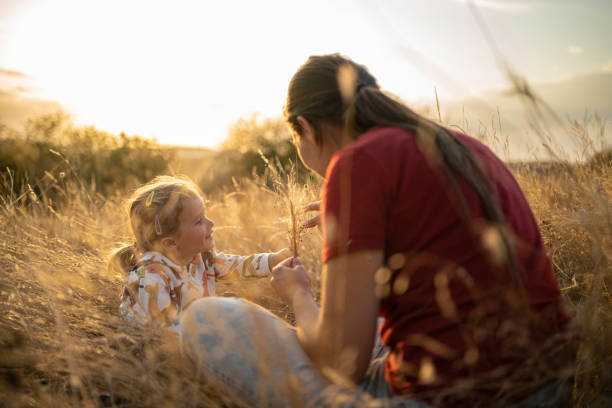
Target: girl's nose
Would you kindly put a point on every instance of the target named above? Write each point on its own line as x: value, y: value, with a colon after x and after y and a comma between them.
x: 210, y: 222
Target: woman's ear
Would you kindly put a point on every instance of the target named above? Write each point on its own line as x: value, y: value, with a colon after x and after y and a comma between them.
x: 308, y: 131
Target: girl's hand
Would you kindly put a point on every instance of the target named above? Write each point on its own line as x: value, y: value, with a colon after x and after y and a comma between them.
x: 288, y: 278
x: 275, y: 257
x: 314, y: 221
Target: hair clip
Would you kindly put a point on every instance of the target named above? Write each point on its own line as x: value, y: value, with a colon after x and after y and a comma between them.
x: 150, y: 199
x: 158, y: 229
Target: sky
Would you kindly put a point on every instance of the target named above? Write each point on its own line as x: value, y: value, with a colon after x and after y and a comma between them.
x: 183, y: 71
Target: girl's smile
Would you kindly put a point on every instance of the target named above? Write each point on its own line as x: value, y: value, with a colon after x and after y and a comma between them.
x: 209, y: 236
x: 195, y: 233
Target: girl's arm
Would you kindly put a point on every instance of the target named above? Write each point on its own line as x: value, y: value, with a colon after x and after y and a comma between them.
x: 257, y: 265
x: 339, y: 337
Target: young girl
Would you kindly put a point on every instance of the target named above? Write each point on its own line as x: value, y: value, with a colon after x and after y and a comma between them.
x: 173, y: 261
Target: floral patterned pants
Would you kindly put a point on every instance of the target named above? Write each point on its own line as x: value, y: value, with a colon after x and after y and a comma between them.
x: 256, y: 357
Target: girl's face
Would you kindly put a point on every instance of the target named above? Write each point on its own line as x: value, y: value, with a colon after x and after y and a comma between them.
x: 195, y: 232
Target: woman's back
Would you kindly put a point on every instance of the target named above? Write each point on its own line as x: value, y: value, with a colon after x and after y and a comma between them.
x: 448, y: 297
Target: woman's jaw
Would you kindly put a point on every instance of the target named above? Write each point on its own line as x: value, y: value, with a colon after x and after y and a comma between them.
x: 316, y: 153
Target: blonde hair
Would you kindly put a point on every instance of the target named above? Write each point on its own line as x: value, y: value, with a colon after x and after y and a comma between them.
x: 153, y: 210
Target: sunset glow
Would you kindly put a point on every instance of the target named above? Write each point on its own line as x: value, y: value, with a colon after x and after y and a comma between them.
x: 182, y: 73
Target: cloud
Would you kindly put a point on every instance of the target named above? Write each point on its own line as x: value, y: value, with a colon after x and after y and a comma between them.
x: 11, y: 73
x: 575, y: 49
x: 514, y: 6
x: 15, y: 83
x: 15, y: 108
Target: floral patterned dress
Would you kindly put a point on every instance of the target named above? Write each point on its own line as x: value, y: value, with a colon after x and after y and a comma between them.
x: 157, y: 291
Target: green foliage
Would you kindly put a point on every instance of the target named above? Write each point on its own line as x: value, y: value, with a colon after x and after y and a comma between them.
x: 255, y: 133
x: 241, y: 153
x: 51, y: 148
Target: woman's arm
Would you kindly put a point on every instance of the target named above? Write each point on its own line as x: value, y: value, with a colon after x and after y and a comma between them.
x: 339, y: 337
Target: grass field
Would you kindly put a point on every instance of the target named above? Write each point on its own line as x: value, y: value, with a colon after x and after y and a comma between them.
x: 62, y: 343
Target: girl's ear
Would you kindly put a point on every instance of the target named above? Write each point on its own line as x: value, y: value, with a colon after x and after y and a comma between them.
x: 168, y: 243
x: 308, y: 131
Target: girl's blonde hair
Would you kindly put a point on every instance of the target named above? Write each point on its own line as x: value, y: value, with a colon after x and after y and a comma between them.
x: 153, y: 210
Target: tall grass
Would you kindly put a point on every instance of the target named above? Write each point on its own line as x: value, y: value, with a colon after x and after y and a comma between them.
x: 285, y: 185
x: 61, y: 339
x: 573, y: 206
x: 63, y: 344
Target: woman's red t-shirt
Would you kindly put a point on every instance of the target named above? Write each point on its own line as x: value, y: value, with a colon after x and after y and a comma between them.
x: 451, y: 309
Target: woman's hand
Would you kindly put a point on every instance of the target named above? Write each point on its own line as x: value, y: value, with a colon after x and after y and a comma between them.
x: 275, y: 257
x: 314, y: 221
x: 289, y: 278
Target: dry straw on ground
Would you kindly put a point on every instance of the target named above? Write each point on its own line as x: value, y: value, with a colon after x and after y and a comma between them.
x: 62, y: 343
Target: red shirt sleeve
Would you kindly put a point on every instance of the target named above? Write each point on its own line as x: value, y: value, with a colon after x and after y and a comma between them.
x: 354, y: 204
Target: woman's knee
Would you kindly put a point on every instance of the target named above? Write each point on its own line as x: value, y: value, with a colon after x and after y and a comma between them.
x: 211, y: 325
x: 207, y: 315
x: 211, y: 308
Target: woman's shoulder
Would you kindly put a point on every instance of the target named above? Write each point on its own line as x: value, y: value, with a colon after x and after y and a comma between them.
x: 379, y: 147
x: 382, y: 141
x: 384, y: 135
x: 389, y: 143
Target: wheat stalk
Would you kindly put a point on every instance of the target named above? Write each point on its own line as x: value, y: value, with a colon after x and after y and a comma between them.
x: 285, y: 188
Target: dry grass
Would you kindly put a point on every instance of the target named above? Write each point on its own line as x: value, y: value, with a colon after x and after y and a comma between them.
x: 61, y: 340
x: 63, y: 344
x: 573, y: 207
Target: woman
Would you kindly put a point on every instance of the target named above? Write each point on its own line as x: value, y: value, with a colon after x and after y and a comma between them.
x: 424, y: 227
